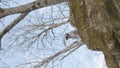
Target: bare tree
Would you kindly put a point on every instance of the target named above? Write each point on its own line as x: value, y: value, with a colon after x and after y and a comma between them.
x: 97, y: 23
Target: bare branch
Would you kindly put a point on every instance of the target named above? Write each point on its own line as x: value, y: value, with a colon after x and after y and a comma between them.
x: 32, y: 39
x: 75, y: 45
x: 9, y: 27
x: 29, y: 7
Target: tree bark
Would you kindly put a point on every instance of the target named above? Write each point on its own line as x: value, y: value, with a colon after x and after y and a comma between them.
x: 98, y: 23
x: 29, y: 7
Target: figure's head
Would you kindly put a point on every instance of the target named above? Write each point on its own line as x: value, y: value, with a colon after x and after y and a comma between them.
x: 72, y: 35
x: 67, y: 36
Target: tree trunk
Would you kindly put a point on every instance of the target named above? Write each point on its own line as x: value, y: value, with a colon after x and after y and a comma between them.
x: 98, y: 23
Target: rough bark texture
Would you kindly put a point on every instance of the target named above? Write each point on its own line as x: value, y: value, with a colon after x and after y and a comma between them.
x: 98, y: 23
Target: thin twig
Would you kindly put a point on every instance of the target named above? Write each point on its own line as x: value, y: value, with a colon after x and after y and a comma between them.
x: 70, y: 48
x: 9, y: 27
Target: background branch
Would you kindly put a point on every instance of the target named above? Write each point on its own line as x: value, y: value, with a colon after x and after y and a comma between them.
x: 75, y: 45
x: 29, y: 7
x: 9, y: 27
